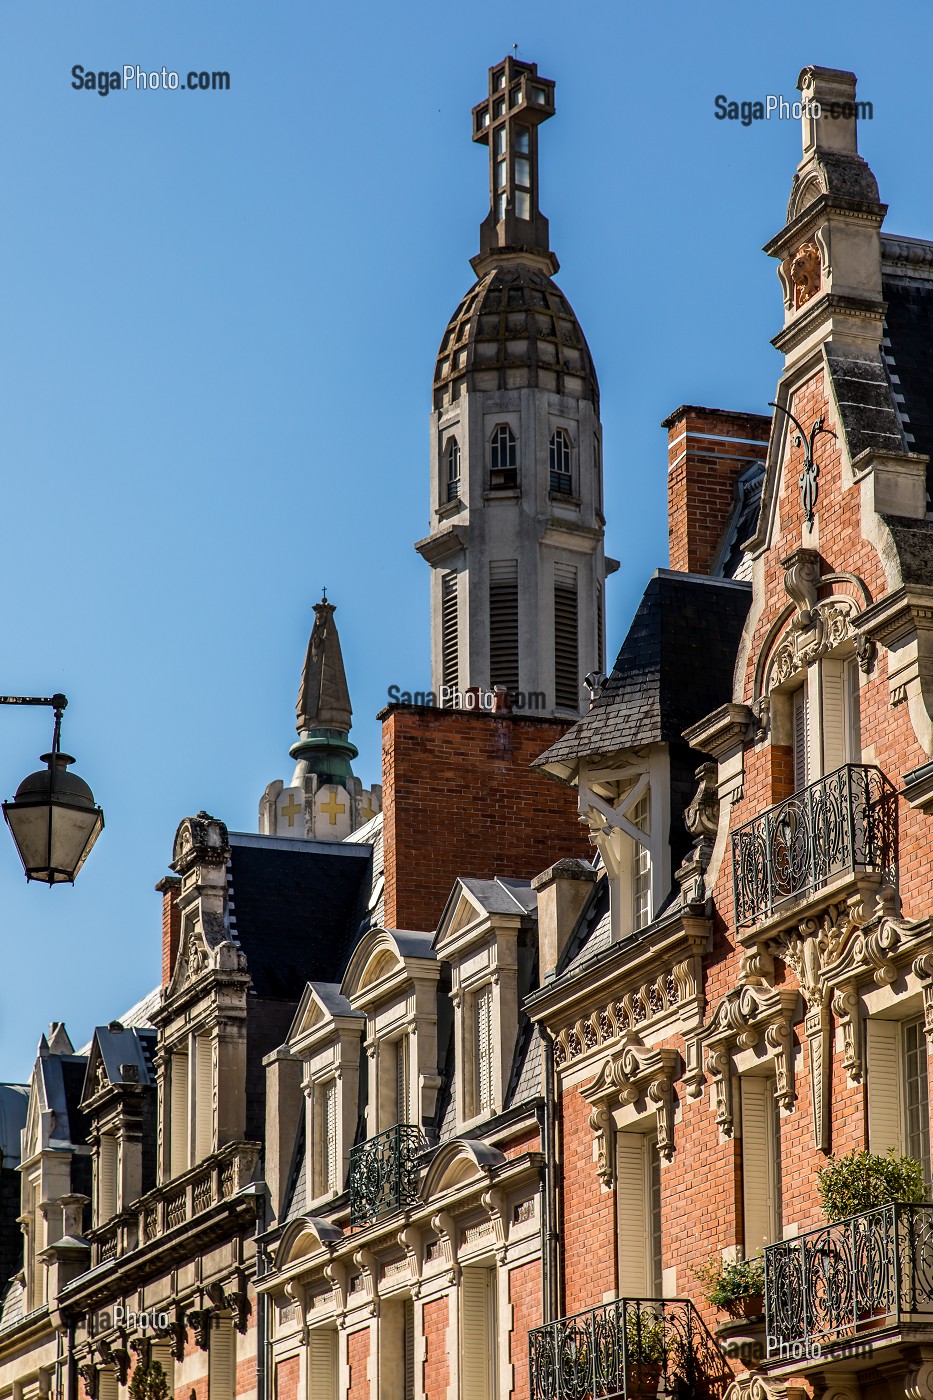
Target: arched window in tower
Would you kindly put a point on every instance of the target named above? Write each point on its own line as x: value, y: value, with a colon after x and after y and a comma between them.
x: 561, y: 479
x: 503, y: 459
x: 453, y: 469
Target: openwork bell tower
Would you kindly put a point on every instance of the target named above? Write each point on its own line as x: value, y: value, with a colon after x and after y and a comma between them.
x: 516, y: 542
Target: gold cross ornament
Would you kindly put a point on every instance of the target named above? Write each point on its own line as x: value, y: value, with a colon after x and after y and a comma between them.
x: 291, y: 809
x: 332, y: 807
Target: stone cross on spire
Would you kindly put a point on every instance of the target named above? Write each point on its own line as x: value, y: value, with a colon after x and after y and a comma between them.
x: 507, y: 122
x: 323, y: 696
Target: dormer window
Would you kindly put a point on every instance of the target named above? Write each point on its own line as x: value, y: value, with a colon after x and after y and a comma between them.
x: 503, y: 459
x: 483, y: 1069
x: 640, y: 817
x: 561, y: 478
x: 453, y: 469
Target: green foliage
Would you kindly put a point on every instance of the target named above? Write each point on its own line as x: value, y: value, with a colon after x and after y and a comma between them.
x: 863, y: 1180
x: 724, y: 1284
x: 644, y: 1336
x: 149, y: 1382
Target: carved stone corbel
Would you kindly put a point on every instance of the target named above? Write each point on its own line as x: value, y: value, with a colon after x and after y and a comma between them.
x: 410, y: 1240
x: 495, y: 1203
x: 91, y: 1378
x: 923, y: 968
x: 801, y: 580
x: 846, y: 1011
x: 445, y: 1227
x: 142, y: 1346
x: 337, y: 1275
x: 601, y: 1128
x: 661, y: 1093
x: 200, y: 1319
x: 299, y: 1296
x: 816, y: 1027
x: 719, y: 1069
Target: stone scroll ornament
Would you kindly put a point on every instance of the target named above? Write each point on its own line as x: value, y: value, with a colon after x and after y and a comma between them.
x: 810, y: 474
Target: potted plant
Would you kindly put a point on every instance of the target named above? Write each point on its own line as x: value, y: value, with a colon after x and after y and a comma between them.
x: 860, y: 1181
x: 736, y: 1286
x: 645, y: 1348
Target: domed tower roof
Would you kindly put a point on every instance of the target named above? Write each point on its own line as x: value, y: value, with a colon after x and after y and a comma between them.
x: 514, y: 329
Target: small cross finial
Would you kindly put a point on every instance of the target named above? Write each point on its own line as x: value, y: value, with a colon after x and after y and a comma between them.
x: 323, y: 595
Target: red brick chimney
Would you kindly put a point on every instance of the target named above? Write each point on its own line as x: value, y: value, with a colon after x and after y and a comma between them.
x: 168, y: 887
x: 459, y: 798
x: 708, y: 449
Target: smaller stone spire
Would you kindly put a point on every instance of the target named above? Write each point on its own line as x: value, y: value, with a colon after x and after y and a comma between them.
x: 323, y: 696
x: 324, y: 800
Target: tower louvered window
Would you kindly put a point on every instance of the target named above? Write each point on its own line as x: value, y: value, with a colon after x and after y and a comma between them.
x: 453, y: 469
x: 561, y: 479
x: 450, y: 638
x: 600, y: 630
x: 566, y: 639
x: 482, y: 1041
x: 503, y: 623
x: 329, y: 1135
x: 503, y: 459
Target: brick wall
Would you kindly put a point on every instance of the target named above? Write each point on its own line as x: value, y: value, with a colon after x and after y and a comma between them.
x: 588, y: 1229
x: 286, y: 1379
x: 708, y: 450
x: 525, y: 1298
x: 459, y: 798
x: 436, y: 1363
x: 358, y: 1359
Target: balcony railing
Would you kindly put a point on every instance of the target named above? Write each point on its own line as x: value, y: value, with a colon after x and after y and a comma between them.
x: 848, y: 1279
x: 627, y: 1350
x: 845, y: 821
x: 384, y: 1173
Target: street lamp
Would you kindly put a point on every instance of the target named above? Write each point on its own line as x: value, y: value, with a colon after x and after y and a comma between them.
x: 53, y: 818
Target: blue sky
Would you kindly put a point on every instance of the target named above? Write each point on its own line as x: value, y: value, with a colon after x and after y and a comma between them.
x: 218, y: 319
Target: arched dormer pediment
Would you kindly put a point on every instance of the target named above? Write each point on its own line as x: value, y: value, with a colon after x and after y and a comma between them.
x: 383, y: 961
x: 457, y: 1163
x: 200, y: 840
x: 303, y: 1237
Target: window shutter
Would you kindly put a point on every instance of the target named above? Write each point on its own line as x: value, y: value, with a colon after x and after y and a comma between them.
x: 178, y: 1128
x: 482, y: 1013
x: 204, y: 1098
x: 834, y: 714
x: 654, y: 1215
x: 401, y: 1080
x: 322, y: 1355
x: 450, y: 637
x: 632, y: 1207
x: 106, y: 1178
x: 108, y: 1386
x: 221, y: 1362
x: 503, y: 623
x: 476, y: 1335
x: 758, y: 1175
x: 884, y: 1098
x: 409, y: 1347
x: 329, y: 1115
x: 566, y: 652
x: 162, y: 1352
x: 801, y: 738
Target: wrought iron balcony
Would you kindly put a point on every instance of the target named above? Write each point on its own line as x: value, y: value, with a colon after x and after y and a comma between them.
x: 627, y: 1350
x: 846, y: 821
x: 384, y: 1173
x: 852, y: 1278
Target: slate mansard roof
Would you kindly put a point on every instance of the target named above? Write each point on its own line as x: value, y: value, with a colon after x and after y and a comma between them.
x: 295, y: 908
x: 675, y: 666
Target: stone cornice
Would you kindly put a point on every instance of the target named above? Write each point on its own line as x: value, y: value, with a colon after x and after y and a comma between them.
x: 723, y: 732
x: 826, y: 307
x: 443, y: 544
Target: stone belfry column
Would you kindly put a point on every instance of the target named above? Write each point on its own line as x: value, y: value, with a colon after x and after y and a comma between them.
x: 516, y: 521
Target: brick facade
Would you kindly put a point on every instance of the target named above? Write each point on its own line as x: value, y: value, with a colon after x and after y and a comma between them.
x: 461, y: 782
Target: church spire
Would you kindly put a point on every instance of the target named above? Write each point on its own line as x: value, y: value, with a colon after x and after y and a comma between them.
x: 507, y: 122
x: 323, y: 715
x: 324, y: 800
x: 323, y: 697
